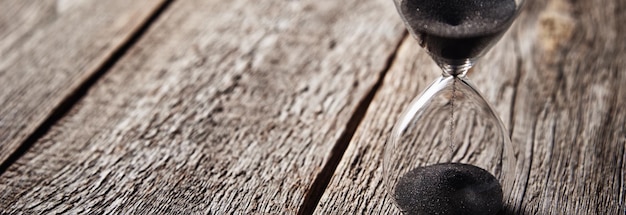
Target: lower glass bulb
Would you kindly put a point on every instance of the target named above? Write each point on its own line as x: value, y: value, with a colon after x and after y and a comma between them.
x: 449, y: 153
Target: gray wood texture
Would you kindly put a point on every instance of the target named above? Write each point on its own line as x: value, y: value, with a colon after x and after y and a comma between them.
x: 557, y: 80
x: 48, y: 48
x: 222, y: 107
x: 245, y: 107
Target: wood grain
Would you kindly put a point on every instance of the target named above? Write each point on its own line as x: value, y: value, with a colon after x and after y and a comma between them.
x: 223, y: 107
x: 571, y: 93
x: 557, y: 81
x: 48, y: 48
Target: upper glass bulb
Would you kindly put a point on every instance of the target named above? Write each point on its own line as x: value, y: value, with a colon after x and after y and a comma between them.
x: 456, y: 32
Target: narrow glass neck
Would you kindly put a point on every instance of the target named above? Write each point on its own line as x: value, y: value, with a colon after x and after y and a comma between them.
x: 456, y: 68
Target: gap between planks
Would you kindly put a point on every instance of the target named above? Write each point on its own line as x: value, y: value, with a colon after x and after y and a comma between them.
x: 72, y: 99
x: 313, y: 196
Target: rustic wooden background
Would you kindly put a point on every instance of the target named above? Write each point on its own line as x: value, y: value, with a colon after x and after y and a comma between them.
x: 283, y: 107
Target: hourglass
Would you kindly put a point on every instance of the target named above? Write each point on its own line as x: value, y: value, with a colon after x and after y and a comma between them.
x: 449, y: 153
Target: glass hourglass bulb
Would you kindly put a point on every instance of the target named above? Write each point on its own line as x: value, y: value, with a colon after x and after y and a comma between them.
x: 449, y: 152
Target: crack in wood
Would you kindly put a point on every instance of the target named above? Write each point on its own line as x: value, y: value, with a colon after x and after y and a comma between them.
x: 315, y: 192
x: 516, y: 85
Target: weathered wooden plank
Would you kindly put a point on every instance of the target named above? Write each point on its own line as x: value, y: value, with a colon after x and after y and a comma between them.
x: 48, y: 48
x: 222, y: 107
x: 556, y: 80
x: 567, y: 114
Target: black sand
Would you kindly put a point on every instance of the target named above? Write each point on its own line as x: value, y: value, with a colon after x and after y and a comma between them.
x: 457, y: 29
x: 447, y: 189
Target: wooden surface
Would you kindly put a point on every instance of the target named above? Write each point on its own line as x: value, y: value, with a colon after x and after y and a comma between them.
x: 48, y: 49
x: 284, y: 107
x: 220, y: 108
